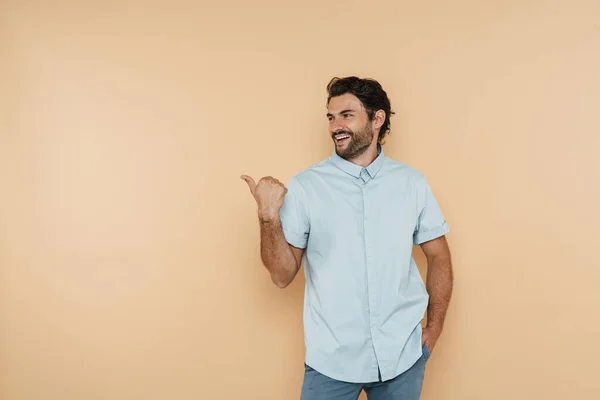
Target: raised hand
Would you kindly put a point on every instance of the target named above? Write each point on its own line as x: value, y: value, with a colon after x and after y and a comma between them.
x: 269, y: 194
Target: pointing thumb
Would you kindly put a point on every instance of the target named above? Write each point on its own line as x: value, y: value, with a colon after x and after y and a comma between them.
x: 250, y: 182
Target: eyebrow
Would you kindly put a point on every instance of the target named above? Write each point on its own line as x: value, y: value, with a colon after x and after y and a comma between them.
x: 341, y: 112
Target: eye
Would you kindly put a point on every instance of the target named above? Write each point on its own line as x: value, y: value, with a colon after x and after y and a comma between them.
x: 347, y: 115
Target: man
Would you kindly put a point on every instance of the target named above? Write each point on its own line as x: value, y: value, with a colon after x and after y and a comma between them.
x: 353, y: 219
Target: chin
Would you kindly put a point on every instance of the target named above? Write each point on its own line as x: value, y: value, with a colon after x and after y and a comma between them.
x: 342, y: 153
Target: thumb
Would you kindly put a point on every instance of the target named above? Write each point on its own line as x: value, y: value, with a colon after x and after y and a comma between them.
x: 250, y: 182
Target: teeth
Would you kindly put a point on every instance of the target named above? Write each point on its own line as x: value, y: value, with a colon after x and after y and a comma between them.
x: 342, y: 137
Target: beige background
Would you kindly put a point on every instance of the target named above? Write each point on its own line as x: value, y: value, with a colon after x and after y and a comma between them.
x: 129, y: 264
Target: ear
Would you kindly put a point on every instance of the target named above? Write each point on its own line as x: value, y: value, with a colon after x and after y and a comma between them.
x: 378, y: 119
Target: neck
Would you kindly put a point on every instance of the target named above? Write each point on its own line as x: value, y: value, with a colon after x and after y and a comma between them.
x: 366, y: 158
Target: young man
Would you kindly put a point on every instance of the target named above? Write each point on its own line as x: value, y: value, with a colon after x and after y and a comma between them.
x: 353, y: 219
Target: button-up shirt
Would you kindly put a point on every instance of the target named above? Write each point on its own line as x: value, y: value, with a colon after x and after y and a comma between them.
x: 364, y: 297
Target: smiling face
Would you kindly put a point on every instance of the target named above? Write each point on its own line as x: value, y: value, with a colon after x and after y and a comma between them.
x: 349, y: 126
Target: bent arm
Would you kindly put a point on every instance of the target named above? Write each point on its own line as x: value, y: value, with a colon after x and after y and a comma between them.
x: 281, y: 259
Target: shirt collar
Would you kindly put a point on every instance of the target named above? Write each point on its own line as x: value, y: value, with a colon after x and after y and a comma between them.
x: 354, y: 169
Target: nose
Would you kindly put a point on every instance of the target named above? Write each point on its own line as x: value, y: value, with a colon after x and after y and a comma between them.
x: 336, y: 126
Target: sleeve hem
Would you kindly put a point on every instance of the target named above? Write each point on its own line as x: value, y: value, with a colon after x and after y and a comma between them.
x: 295, y: 239
x: 431, y: 234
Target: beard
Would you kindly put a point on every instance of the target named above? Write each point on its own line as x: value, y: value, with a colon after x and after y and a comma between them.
x: 358, y: 143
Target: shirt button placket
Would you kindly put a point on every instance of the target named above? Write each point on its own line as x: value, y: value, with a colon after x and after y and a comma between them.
x: 371, y: 271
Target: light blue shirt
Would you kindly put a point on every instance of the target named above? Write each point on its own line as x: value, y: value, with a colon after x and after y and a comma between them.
x: 364, y: 298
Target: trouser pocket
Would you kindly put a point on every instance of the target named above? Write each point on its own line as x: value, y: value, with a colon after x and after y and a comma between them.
x: 426, y: 352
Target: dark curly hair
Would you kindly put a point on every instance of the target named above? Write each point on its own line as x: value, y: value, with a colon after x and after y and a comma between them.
x: 369, y: 92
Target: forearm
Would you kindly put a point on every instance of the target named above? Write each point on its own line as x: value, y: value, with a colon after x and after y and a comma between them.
x: 276, y: 254
x: 439, y: 286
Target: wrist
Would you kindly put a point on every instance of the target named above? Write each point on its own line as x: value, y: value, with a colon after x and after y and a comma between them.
x: 268, y: 216
x: 434, y: 328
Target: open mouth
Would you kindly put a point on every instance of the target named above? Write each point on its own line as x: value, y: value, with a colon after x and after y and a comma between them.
x: 341, y: 138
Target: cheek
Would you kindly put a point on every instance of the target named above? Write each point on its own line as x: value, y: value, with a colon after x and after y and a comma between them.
x: 351, y: 127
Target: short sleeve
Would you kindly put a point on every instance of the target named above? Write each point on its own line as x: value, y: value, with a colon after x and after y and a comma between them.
x: 294, y: 215
x: 431, y: 223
